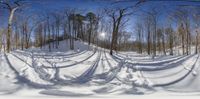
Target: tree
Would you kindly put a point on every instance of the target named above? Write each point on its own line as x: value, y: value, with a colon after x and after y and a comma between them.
x: 79, y: 21
x: 139, y: 39
x: 182, y: 17
x: 159, y: 38
x: 170, y: 38
x: 116, y: 15
x: 196, y: 20
x: 147, y: 24
x: 39, y: 35
x: 154, y: 22
x: 57, y: 18
x: 49, y: 33
x: 1, y: 43
x: 181, y: 32
x: 17, y: 32
x: 12, y: 7
x: 27, y: 24
x: 70, y: 20
x: 91, y: 17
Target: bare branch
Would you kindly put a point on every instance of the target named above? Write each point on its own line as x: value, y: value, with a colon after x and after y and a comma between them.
x: 7, y: 5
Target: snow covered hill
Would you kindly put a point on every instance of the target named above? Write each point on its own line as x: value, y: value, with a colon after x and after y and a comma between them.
x: 95, y: 73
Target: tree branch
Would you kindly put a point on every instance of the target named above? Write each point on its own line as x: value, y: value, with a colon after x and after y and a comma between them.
x: 7, y: 5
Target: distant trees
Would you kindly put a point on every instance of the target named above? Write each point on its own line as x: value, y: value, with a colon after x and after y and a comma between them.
x: 196, y: 20
x: 152, y: 17
x: 23, y: 26
x: 139, y: 36
x: 182, y: 17
x: 69, y: 24
x: 75, y: 26
x: 170, y: 38
x: 39, y: 35
x: 56, y: 25
x: 161, y: 38
x: 153, y: 32
x: 124, y: 40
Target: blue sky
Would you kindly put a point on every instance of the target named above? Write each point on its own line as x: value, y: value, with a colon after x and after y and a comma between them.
x: 93, y: 5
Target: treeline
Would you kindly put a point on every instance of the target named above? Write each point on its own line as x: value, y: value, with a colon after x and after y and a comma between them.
x: 177, y: 31
x: 69, y: 24
x: 152, y: 33
x: 26, y: 29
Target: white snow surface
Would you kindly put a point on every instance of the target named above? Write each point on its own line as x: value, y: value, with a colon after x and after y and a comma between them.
x: 91, y: 72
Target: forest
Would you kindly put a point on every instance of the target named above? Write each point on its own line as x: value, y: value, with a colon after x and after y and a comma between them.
x: 153, y: 32
x: 99, y: 49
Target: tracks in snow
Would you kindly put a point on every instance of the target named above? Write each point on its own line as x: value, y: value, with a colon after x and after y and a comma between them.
x: 178, y: 79
x: 22, y: 79
x: 86, y: 76
x: 167, y: 65
x: 112, y: 73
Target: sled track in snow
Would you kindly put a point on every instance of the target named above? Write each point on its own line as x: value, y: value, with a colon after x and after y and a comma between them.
x: 168, y: 75
x: 126, y: 54
x: 151, y: 61
x: 106, y: 76
x: 84, y: 77
x: 65, y: 66
x: 65, y: 60
x: 111, y: 74
x: 22, y: 79
x: 40, y: 71
x: 170, y: 65
x: 49, y: 56
x: 56, y: 78
x: 61, y: 56
x: 146, y: 58
x: 155, y: 66
x: 21, y: 59
x: 87, y: 75
x: 164, y: 66
x: 180, y: 78
x: 124, y: 81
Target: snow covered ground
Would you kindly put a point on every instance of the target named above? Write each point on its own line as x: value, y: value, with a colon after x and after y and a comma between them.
x: 94, y: 73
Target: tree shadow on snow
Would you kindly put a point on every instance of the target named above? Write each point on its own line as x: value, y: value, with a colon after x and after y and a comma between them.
x: 64, y: 93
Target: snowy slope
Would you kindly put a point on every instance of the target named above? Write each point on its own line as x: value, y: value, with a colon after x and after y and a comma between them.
x: 95, y: 73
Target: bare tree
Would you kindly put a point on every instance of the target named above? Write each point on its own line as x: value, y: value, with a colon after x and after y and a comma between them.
x: 139, y: 39
x: 49, y: 32
x: 57, y: 18
x: 147, y: 24
x: 196, y: 19
x: 12, y: 7
x: 159, y: 38
x: 39, y: 35
x: 116, y: 15
x: 170, y: 38
x: 181, y: 16
x: 1, y: 42
x: 154, y: 21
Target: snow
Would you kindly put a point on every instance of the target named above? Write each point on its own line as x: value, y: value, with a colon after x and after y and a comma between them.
x: 87, y: 72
